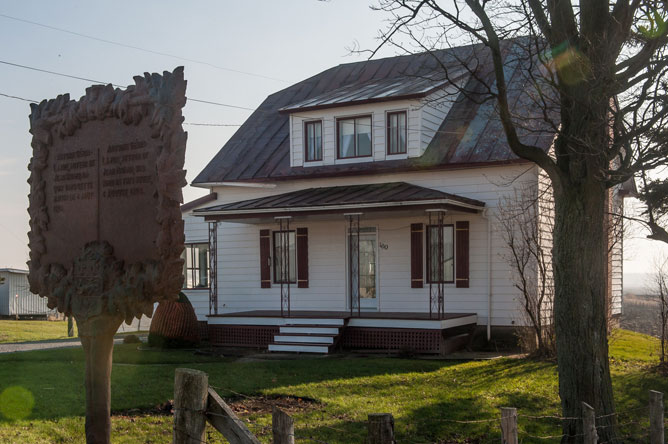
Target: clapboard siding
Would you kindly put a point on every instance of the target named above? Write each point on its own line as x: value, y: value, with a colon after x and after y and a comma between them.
x: 238, y: 250
x: 545, y: 214
x: 27, y: 303
x: 616, y: 253
x: 431, y: 109
x: 433, y: 112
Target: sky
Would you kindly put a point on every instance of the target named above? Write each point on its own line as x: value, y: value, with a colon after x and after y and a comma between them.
x: 238, y: 53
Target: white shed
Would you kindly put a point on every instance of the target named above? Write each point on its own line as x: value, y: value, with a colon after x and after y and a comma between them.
x: 15, y: 295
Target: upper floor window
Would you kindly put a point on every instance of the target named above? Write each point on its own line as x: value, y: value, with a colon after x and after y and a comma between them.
x: 313, y: 140
x: 196, y: 266
x: 354, y: 137
x: 443, y: 254
x: 396, y: 132
x: 285, y: 257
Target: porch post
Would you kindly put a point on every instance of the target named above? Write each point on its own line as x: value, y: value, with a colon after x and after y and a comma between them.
x: 436, y: 289
x: 354, y: 261
x: 213, y: 267
x: 284, y: 272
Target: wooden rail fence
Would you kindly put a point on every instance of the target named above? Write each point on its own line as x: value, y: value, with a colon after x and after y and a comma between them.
x: 196, y: 403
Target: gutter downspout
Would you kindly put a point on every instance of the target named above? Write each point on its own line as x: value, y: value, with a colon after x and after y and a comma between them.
x: 485, y: 215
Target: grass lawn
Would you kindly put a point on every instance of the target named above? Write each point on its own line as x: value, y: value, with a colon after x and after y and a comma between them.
x: 24, y: 331
x: 42, y: 397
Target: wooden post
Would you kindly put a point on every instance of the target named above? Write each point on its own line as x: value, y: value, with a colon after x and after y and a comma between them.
x: 509, y: 425
x: 283, y: 427
x: 381, y: 428
x: 656, y: 429
x: 589, y: 424
x: 223, y: 419
x: 97, y: 338
x: 190, y: 400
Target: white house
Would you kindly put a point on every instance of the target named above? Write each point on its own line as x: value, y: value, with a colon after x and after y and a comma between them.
x: 15, y: 296
x: 333, y: 205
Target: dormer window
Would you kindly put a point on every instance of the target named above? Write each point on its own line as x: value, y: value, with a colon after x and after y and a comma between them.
x: 313, y: 140
x: 354, y: 137
x: 396, y: 132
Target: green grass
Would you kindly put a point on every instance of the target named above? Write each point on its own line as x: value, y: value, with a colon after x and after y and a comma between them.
x: 24, y: 331
x: 421, y: 394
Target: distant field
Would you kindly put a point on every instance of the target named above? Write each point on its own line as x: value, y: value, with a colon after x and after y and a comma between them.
x: 24, y: 331
x: 641, y: 313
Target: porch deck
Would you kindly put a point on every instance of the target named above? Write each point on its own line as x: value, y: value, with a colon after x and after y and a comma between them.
x: 370, y: 330
x: 341, y: 315
x: 370, y: 319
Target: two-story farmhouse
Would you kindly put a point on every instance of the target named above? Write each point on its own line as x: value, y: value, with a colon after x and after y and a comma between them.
x: 357, y: 208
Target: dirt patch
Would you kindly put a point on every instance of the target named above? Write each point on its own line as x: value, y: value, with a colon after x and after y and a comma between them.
x: 258, y: 405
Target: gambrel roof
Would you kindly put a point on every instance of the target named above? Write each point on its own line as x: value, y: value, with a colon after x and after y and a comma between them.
x: 471, y: 135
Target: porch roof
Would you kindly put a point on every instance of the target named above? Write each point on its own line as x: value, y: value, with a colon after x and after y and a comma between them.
x: 339, y: 199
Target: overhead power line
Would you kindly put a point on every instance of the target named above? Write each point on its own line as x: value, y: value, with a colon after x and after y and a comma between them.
x: 150, y: 51
x: 46, y: 71
x: 185, y: 123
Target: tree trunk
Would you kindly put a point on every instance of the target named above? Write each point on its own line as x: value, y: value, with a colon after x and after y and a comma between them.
x: 580, y: 306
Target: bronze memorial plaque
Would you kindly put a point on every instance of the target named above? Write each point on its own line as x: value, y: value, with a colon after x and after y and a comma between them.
x: 106, y: 233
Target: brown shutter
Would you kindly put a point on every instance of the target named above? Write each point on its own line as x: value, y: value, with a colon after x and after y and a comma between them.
x: 302, y: 257
x: 462, y: 253
x: 265, y: 259
x: 417, y: 270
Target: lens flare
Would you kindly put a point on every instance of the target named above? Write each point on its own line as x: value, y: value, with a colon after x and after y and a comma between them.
x: 16, y: 403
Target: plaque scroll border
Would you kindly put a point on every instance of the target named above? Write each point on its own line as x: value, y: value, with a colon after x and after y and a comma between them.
x: 127, y: 290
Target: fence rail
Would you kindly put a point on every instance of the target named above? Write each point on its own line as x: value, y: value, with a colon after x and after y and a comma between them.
x: 196, y: 403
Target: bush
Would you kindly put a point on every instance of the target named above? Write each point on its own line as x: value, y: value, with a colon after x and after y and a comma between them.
x: 131, y: 339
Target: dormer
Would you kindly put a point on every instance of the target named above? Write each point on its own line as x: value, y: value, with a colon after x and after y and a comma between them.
x: 375, y: 121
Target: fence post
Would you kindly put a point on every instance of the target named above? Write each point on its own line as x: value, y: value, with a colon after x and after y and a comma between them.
x: 656, y: 417
x: 509, y: 425
x: 589, y: 424
x: 381, y: 428
x: 190, y: 399
x: 283, y: 427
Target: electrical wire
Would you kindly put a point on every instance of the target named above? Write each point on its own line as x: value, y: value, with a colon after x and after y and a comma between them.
x: 209, y: 102
x: 150, y: 51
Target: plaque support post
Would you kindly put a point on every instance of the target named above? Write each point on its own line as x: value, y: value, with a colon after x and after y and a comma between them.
x: 97, y: 339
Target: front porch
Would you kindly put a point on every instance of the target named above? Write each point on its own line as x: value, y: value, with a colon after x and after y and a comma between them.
x: 325, y: 331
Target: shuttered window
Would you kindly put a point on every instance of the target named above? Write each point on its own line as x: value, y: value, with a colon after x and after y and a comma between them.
x: 448, y: 264
x: 285, y: 250
x: 265, y: 258
x: 302, y: 257
x: 417, y: 269
x: 462, y: 253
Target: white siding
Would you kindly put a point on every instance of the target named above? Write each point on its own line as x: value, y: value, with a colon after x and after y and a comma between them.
x: 197, y: 231
x: 424, y: 117
x: 27, y: 303
x: 238, y: 250
x: 4, y: 295
x: 434, y: 110
x: 545, y: 227
x: 616, y: 253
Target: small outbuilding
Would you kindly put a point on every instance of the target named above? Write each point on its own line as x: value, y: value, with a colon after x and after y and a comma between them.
x: 15, y: 296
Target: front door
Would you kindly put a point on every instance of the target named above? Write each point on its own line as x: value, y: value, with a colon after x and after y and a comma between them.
x: 368, y: 259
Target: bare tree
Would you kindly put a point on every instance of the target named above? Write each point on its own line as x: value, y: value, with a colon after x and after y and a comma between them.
x: 526, y: 227
x: 597, y: 71
x: 659, y: 286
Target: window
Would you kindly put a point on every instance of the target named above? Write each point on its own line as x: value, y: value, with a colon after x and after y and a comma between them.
x: 354, y: 137
x: 313, y: 140
x: 285, y: 250
x: 448, y: 275
x: 196, y: 266
x: 396, y: 132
